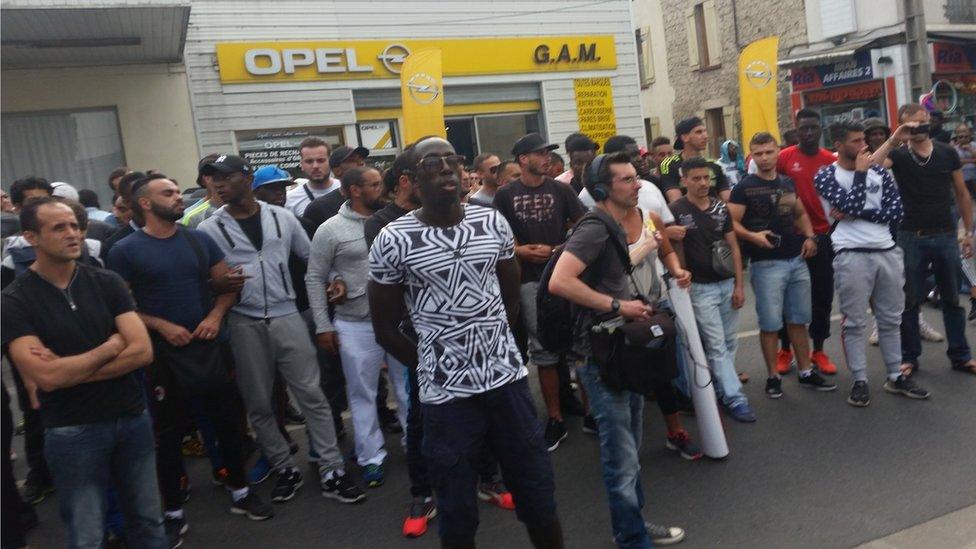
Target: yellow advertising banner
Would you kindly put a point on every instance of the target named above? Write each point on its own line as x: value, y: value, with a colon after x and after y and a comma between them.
x: 250, y: 62
x: 594, y: 108
x: 757, y: 88
x: 422, y: 95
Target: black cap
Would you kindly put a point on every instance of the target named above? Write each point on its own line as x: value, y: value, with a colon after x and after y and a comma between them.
x: 343, y: 152
x: 577, y: 142
x: 227, y: 163
x: 686, y: 125
x: 531, y: 143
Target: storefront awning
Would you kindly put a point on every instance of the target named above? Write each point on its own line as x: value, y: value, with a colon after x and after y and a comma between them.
x: 101, y: 33
x: 824, y: 56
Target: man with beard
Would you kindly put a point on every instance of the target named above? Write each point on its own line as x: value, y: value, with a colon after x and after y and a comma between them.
x: 486, y: 166
x: 581, y: 149
x: 314, y: 152
x: 325, y: 207
x: 339, y: 249
x: 168, y: 269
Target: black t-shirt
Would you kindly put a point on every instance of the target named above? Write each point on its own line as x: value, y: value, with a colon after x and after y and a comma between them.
x: 252, y: 228
x: 375, y: 223
x: 538, y: 215
x: 704, y: 227
x: 926, y: 190
x: 119, y: 234
x: 33, y: 306
x: 324, y: 208
x: 670, y: 176
x: 769, y: 205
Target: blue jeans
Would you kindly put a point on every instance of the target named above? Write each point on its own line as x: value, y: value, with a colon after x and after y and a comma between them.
x: 619, y: 418
x: 942, y: 252
x: 782, y: 289
x: 717, y: 322
x: 86, y: 459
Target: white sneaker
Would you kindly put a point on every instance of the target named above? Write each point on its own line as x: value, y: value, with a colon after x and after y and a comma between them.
x: 927, y: 332
x: 873, y: 338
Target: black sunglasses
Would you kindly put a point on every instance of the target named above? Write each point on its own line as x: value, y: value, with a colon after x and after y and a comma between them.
x: 434, y: 164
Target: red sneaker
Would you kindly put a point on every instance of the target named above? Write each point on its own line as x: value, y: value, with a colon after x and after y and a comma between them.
x: 420, y: 511
x: 823, y: 363
x: 495, y: 492
x: 784, y: 359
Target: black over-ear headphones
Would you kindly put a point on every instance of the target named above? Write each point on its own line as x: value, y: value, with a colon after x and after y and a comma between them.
x: 598, y: 189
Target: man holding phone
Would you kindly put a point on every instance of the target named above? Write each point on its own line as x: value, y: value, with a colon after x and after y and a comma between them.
x: 778, y: 237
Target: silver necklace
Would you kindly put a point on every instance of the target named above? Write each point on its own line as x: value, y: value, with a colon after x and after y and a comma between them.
x: 916, y: 158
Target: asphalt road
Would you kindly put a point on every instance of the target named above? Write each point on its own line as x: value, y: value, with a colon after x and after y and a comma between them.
x: 812, y: 472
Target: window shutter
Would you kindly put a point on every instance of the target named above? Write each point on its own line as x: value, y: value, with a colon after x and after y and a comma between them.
x: 645, y: 45
x: 712, y: 36
x: 693, y: 61
x: 728, y: 117
x: 837, y: 17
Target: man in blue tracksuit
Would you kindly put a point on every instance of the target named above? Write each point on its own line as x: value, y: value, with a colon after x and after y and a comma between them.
x: 266, y: 329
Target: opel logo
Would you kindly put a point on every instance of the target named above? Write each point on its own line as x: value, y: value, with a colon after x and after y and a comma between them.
x: 758, y: 74
x: 423, y: 88
x: 393, y: 57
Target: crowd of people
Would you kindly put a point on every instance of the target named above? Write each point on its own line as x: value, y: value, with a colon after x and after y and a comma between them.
x: 273, y: 299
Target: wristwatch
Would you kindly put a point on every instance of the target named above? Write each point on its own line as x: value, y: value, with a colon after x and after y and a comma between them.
x: 614, y: 306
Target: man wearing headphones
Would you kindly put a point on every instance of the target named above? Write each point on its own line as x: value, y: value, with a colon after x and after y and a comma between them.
x: 613, y: 183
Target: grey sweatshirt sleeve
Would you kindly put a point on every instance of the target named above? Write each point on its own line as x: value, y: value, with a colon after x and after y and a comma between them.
x: 320, y: 259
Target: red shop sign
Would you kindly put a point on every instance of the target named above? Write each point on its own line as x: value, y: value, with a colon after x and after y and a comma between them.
x: 845, y: 94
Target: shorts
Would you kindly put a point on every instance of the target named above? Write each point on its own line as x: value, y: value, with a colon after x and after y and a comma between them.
x: 782, y: 288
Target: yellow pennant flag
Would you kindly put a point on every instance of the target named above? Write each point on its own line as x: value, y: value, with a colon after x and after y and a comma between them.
x: 757, y: 88
x: 422, y: 94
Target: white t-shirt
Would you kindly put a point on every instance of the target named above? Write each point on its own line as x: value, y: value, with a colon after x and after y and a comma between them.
x: 465, y: 345
x: 860, y: 233
x: 299, y: 197
x: 649, y: 197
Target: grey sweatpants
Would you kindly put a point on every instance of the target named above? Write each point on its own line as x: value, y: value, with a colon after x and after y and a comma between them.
x: 876, y: 279
x: 284, y: 345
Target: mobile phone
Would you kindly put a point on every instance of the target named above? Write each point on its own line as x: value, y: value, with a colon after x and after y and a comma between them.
x: 774, y: 239
x: 921, y: 128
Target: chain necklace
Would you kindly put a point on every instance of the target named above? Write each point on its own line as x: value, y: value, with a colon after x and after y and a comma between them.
x: 916, y: 158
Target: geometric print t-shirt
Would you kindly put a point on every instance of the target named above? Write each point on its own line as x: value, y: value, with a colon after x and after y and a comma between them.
x: 465, y: 345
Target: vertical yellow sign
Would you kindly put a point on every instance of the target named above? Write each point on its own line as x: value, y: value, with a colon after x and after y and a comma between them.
x: 594, y: 108
x: 422, y: 94
x: 757, y: 88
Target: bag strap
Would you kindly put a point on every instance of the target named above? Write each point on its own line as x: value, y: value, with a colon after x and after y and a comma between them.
x: 620, y: 248
x: 203, y: 271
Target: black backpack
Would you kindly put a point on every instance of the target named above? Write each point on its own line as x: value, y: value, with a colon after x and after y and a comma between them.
x: 556, y: 316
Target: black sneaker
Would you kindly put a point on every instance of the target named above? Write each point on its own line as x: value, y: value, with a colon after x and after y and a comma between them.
x: 341, y: 488
x: 664, y: 535
x: 816, y: 382
x: 35, y: 492
x: 859, y: 395
x: 555, y: 433
x: 289, y: 481
x: 905, y: 386
x: 774, y: 387
x: 252, y: 506
x: 175, y: 529
x: 589, y: 425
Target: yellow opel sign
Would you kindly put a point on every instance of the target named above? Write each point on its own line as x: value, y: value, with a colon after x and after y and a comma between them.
x: 249, y: 62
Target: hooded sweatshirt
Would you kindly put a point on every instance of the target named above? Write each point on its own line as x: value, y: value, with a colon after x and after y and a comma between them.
x: 339, y: 250
x: 734, y: 168
x: 268, y: 293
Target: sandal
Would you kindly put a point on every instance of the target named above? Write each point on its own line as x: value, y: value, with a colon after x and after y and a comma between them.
x: 965, y: 367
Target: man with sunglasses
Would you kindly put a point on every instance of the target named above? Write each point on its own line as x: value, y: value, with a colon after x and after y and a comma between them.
x: 486, y: 165
x: 453, y: 268
x: 929, y: 176
x: 540, y: 210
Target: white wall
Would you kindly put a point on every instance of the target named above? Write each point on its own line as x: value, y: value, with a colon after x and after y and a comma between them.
x: 220, y: 110
x: 152, y: 103
x: 657, y: 100
x: 869, y: 15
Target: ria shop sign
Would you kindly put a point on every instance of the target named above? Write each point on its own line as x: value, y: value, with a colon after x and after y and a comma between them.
x: 250, y: 62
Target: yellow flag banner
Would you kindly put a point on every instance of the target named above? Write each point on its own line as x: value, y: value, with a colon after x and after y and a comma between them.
x: 422, y: 94
x: 757, y: 88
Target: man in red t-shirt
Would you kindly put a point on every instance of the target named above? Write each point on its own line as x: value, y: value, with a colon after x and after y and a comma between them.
x: 801, y: 163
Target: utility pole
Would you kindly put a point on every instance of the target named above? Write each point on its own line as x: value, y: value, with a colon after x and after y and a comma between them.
x: 919, y: 72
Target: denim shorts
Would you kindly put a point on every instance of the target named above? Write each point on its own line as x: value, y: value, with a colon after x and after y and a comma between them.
x: 782, y: 288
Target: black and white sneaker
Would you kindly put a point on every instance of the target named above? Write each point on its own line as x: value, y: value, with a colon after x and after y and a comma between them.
x: 289, y: 481
x: 664, y: 535
x: 816, y: 382
x: 774, y: 387
x: 555, y: 433
x: 589, y: 425
x: 340, y: 487
x: 252, y: 507
x: 859, y: 394
x: 175, y: 529
x: 905, y: 386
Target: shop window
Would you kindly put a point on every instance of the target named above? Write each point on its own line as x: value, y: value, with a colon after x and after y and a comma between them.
x: 704, y: 40
x: 497, y: 133
x: 645, y: 62
x: 280, y: 146
x: 78, y: 147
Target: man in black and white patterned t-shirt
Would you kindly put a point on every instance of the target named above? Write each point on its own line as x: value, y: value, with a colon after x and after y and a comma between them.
x: 453, y: 268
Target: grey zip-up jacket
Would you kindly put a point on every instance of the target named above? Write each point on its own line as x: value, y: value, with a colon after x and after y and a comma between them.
x: 339, y: 250
x: 268, y: 293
